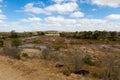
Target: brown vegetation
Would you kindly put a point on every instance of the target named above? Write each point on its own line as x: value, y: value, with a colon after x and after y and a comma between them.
x: 73, y: 56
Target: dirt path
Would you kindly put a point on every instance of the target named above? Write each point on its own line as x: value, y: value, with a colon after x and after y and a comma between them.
x: 11, y: 69
x: 7, y: 73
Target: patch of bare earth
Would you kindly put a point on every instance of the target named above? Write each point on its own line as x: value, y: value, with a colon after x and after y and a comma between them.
x: 33, y: 69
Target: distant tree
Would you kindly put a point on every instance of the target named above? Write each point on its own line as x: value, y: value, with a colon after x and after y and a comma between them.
x: 96, y: 35
x: 14, y: 34
x: 113, y: 36
x: 103, y: 35
x: 1, y: 42
x: 41, y: 33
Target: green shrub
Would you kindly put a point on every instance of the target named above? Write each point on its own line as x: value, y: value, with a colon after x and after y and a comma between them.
x: 37, y: 41
x: 88, y: 60
x: 57, y: 47
x: 1, y: 43
x: 16, y: 42
x: 25, y: 55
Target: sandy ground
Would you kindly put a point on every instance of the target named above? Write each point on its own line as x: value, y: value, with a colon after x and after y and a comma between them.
x: 7, y: 72
x: 33, y: 68
x: 11, y: 69
x: 17, y: 70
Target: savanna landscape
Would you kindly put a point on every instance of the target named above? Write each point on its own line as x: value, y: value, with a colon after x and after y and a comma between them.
x: 59, y: 39
x: 55, y: 55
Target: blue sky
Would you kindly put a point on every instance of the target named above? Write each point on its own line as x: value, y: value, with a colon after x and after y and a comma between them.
x: 61, y: 15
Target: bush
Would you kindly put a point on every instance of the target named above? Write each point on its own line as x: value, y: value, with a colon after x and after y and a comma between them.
x: 16, y: 42
x: 1, y: 43
x: 72, y: 60
x: 11, y: 52
x: 57, y: 47
x: 88, y: 60
x: 41, y: 33
x: 25, y: 55
x: 37, y: 41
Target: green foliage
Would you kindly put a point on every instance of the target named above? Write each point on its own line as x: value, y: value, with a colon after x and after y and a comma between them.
x: 96, y: 35
x: 25, y: 55
x: 88, y: 60
x: 36, y: 41
x: 57, y: 47
x: 16, y: 42
x: 13, y: 34
x: 1, y: 43
x: 41, y: 33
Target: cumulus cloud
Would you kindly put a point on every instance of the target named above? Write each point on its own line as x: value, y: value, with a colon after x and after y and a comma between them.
x: 59, y: 20
x: 61, y: 23
x: 2, y: 16
x: 59, y: 8
x: 34, y: 19
x: 77, y: 14
x: 2, y: 19
x: 58, y: 1
x: 84, y: 24
x: 62, y: 8
x: 113, y: 17
x: 61, y: 1
x: 110, y: 3
x: 55, y: 20
x: 30, y: 8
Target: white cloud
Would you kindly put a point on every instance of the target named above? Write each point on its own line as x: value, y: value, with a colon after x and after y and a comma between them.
x: 30, y: 8
x: 2, y: 16
x: 59, y: 20
x: 110, y: 3
x: 63, y: 1
x: 77, y: 14
x: 61, y: 24
x: 58, y: 1
x: 34, y: 19
x: 113, y: 17
x: 62, y: 8
x: 55, y: 20
x: 59, y: 8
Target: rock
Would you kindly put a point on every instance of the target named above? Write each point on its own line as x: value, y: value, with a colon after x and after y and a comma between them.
x: 58, y: 65
x: 67, y: 73
x: 83, y: 72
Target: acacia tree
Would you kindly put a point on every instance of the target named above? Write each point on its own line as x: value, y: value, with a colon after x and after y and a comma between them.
x: 13, y: 34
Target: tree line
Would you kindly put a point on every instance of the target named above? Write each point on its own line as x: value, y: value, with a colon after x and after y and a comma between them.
x: 95, y: 35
